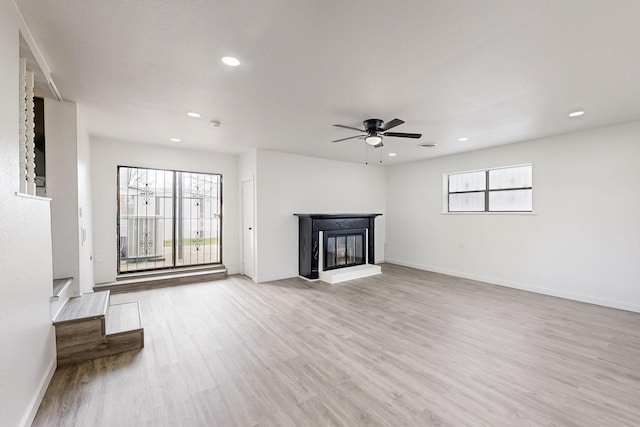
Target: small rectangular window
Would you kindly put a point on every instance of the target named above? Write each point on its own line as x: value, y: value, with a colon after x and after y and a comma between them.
x: 507, y: 189
x: 467, y: 181
x: 466, y: 202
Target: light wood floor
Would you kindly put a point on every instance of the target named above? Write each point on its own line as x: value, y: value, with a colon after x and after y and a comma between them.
x: 403, y: 348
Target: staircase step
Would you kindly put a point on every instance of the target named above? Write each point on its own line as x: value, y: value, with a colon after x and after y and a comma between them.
x: 160, y: 281
x: 81, y: 319
x: 122, y: 332
x: 62, y: 291
x: 84, y: 307
x: 59, y: 286
x: 72, y: 333
x: 124, y: 327
x: 123, y: 317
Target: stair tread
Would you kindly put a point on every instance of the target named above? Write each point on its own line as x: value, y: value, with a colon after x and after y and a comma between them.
x: 59, y: 285
x: 123, y: 317
x: 85, y: 306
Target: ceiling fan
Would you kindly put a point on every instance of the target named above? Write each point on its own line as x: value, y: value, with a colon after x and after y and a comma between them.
x: 374, y: 131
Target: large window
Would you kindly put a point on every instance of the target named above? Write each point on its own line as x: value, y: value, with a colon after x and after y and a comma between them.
x: 507, y: 189
x: 168, y: 219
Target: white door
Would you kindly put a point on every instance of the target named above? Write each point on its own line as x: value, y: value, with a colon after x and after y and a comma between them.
x: 247, y: 228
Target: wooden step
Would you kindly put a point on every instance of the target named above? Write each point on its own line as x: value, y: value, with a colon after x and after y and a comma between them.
x: 88, y: 327
x: 82, y: 318
x: 123, y: 318
x: 139, y: 283
x: 124, y: 327
x: 91, y: 305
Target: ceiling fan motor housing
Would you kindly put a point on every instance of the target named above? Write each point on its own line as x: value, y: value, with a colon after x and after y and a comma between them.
x: 372, y: 125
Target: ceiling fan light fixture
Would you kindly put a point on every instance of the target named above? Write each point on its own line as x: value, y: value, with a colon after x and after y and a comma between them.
x: 230, y: 61
x: 373, y: 139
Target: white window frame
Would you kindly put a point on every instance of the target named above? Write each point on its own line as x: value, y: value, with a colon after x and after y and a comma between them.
x: 445, y: 193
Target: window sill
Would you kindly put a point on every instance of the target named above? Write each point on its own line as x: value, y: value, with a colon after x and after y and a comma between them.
x: 31, y: 196
x: 489, y: 213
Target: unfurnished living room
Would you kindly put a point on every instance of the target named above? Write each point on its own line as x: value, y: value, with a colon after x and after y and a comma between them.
x: 313, y: 213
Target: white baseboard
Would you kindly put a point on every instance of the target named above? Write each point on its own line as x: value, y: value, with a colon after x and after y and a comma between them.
x: 524, y: 287
x: 271, y: 277
x: 32, y: 409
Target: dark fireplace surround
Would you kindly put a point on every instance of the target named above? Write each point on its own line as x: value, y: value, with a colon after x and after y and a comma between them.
x: 332, y: 225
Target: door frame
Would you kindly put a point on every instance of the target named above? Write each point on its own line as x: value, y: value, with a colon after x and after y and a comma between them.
x: 251, y: 185
x: 173, y: 265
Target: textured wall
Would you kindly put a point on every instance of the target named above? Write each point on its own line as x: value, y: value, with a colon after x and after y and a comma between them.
x: 27, y: 355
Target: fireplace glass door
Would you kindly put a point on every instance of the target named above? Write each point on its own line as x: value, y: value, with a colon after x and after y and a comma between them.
x: 345, y: 249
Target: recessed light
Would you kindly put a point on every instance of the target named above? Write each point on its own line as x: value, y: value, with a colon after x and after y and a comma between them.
x: 392, y: 154
x: 427, y: 144
x: 230, y: 61
x: 576, y: 114
x: 175, y: 140
x: 193, y: 114
x: 463, y: 139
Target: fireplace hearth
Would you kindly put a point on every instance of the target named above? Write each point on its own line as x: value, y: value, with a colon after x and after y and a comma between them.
x: 346, y: 240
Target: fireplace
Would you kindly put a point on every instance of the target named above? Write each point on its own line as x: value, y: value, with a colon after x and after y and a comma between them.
x: 343, y: 249
x: 329, y: 242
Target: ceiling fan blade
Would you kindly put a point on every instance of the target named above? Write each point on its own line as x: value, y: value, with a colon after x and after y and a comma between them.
x: 391, y: 124
x: 351, y: 137
x: 349, y: 127
x: 403, y: 135
x: 379, y: 145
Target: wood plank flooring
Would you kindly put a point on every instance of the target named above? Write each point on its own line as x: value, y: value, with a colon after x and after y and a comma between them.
x: 403, y: 348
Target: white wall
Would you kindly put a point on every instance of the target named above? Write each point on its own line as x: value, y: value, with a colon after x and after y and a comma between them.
x: 27, y: 355
x: 84, y: 211
x: 62, y: 187
x: 288, y: 184
x: 107, y: 155
x: 583, y: 242
x: 247, y: 165
x: 68, y: 185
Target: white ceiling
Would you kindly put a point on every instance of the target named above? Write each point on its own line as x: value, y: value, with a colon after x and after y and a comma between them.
x: 496, y: 71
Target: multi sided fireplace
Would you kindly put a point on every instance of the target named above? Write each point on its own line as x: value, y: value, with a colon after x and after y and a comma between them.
x: 333, y: 241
